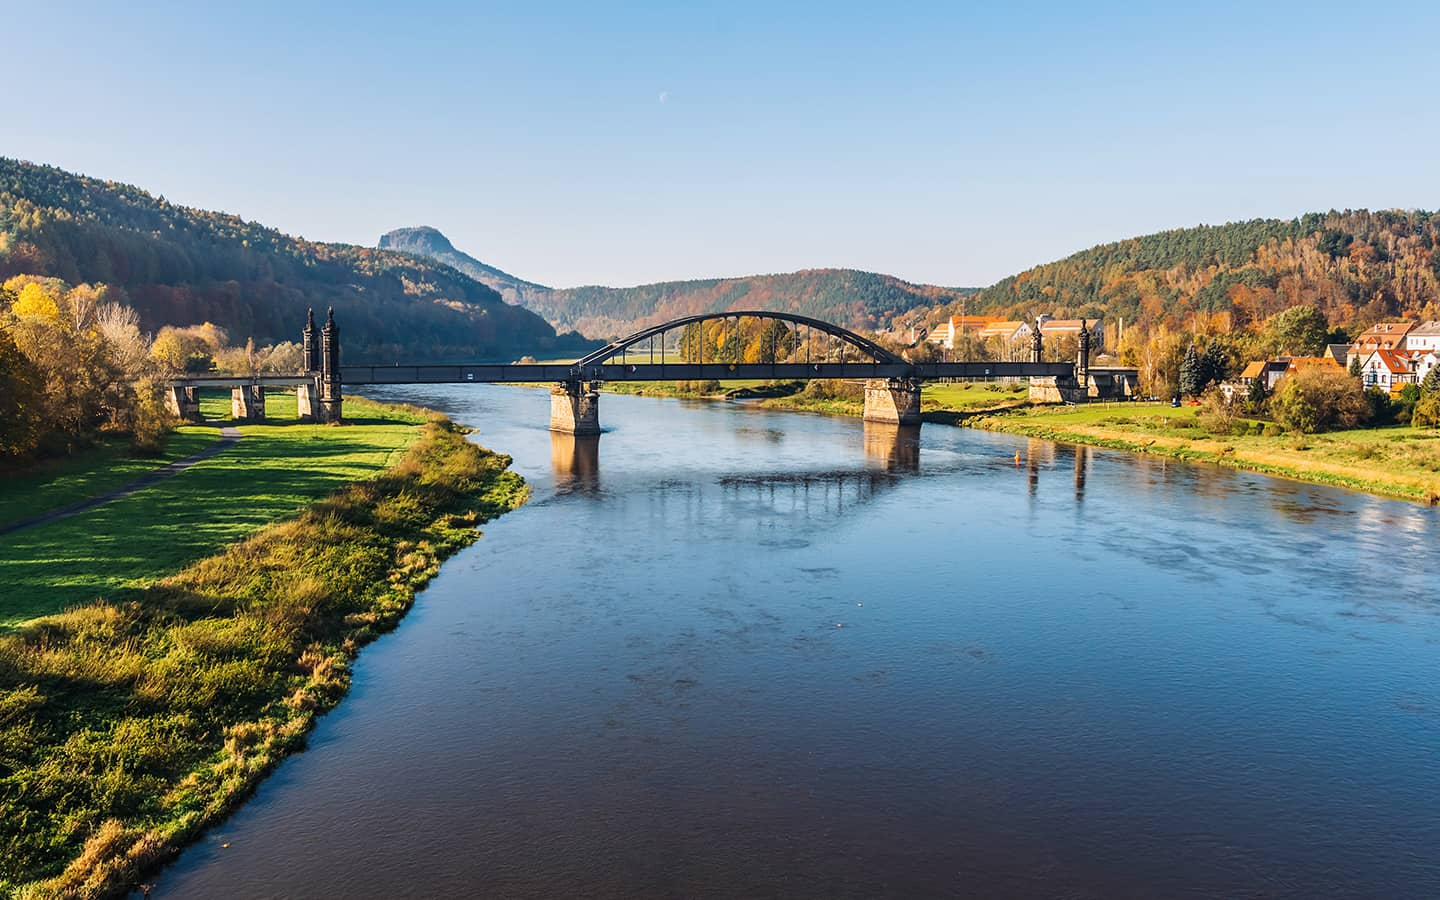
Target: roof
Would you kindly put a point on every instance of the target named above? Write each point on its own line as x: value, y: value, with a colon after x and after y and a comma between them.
x: 1001, y: 328
x: 1425, y: 329
x: 1254, y: 369
x: 1383, y: 329
x: 970, y: 321
x: 1309, y: 362
x: 1397, y: 362
x: 1067, y: 325
x: 1338, y: 352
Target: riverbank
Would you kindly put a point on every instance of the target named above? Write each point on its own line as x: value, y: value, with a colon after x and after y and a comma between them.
x: 122, y: 547
x: 1398, y: 462
x: 941, y: 402
x: 128, y: 726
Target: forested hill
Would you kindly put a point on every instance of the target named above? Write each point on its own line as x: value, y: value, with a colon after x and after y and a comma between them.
x: 860, y: 300
x: 181, y: 266
x: 1357, y: 266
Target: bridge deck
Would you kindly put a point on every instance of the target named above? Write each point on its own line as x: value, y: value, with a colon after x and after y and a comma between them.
x: 443, y: 374
x: 234, y: 381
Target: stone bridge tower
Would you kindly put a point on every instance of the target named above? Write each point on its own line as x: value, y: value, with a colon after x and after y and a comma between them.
x: 330, y: 400
x: 1037, y: 343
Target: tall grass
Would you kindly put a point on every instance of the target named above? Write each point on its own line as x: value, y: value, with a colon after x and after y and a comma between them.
x: 125, y: 728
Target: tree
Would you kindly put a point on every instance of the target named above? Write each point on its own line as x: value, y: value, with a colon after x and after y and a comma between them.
x: 1354, y: 369
x: 1431, y: 383
x: 1318, y: 398
x: 21, y: 401
x: 1427, y: 412
x: 1256, y: 396
x: 1192, y: 376
x: 1214, y: 367
x: 1299, y: 331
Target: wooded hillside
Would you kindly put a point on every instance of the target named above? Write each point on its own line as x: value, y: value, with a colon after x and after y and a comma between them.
x: 182, y: 266
x: 1357, y: 267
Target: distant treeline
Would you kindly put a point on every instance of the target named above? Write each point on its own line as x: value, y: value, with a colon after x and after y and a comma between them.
x: 182, y: 266
x: 1357, y: 267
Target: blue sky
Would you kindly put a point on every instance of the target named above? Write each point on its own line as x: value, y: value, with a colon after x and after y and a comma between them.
x: 578, y: 144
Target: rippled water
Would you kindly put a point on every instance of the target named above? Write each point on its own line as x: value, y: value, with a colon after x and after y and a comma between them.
x: 725, y: 652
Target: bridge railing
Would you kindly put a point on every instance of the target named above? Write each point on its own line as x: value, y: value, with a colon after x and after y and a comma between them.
x: 675, y: 371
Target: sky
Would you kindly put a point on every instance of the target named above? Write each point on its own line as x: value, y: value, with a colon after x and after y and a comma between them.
x: 586, y: 143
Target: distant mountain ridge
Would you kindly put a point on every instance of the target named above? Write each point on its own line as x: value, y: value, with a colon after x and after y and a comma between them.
x: 182, y: 266
x: 425, y: 241
x: 861, y: 300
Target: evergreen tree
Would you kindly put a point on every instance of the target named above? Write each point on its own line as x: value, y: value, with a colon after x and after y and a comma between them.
x: 1431, y: 382
x: 1355, y: 365
x: 1192, y: 377
x: 1213, y: 365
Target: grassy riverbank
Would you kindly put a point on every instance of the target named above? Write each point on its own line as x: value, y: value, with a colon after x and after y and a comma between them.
x: 124, y: 546
x: 1395, y: 462
x: 127, y: 725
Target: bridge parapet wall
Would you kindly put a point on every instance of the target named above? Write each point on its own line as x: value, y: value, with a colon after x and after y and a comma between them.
x: 575, y: 408
x: 895, y: 401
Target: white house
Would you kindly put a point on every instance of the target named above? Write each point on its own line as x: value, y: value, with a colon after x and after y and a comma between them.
x: 1423, y: 337
x: 1389, y: 370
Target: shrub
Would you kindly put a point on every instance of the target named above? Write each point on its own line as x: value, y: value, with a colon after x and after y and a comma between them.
x: 1272, y: 429
x: 1427, y: 411
x: 1319, y: 399
x: 1218, y: 415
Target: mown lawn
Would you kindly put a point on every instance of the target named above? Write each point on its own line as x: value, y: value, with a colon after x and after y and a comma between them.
x: 60, y: 482
x: 968, y: 396
x: 124, y: 546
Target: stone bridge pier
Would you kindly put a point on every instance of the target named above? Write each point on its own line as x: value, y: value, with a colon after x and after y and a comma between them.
x: 247, y: 403
x: 575, y: 408
x: 183, y: 402
x: 895, y: 401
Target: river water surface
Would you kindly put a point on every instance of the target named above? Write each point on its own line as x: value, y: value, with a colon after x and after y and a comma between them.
x: 733, y: 653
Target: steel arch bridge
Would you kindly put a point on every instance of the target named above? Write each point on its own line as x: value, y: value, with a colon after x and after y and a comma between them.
x: 813, y: 349
x: 800, y: 348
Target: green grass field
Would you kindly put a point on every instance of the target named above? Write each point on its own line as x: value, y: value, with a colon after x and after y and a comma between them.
x: 109, y: 465
x: 1399, y: 462
x: 124, y: 546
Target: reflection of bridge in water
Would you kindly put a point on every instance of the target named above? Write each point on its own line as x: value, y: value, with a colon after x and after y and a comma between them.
x: 1042, y: 453
x: 890, y: 452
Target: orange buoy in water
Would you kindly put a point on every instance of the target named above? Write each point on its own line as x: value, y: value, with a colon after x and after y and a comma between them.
x: 1017, y: 457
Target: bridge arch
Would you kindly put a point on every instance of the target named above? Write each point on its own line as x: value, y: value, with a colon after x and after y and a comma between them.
x: 866, y: 348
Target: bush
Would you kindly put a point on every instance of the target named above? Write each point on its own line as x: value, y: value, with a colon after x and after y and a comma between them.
x: 1218, y: 415
x: 1319, y: 399
x: 1427, y: 412
x: 1272, y: 429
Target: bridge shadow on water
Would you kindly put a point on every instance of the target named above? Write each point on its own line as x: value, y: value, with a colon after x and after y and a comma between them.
x: 890, y: 453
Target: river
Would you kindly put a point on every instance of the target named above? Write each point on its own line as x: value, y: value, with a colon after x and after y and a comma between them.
x: 725, y: 652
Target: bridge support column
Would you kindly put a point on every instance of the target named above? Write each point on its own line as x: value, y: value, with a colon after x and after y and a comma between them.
x: 892, y: 400
x: 247, y: 403
x: 307, y: 402
x: 575, y: 408
x: 183, y: 403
